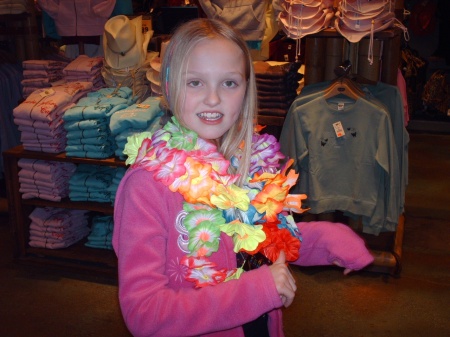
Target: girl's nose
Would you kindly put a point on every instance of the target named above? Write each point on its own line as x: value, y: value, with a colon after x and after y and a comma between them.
x: 212, y: 97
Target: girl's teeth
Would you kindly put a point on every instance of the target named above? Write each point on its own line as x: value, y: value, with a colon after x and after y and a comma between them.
x: 211, y: 115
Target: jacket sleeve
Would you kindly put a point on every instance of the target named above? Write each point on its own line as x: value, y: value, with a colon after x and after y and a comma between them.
x: 211, y: 10
x: 149, y: 306
x: 103, y: 8
x: 326, y: 243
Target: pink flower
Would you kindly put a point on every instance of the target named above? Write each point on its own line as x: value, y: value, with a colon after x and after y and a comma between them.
x: 265, y: 153
x: 171, y: 166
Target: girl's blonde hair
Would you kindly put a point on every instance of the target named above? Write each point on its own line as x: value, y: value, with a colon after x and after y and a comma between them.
x: 174, y: 65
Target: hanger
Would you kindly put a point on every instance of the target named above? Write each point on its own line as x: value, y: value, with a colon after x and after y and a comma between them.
x: 343, y: 85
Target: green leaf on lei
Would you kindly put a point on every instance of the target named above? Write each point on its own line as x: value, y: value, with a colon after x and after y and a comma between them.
x: 182, y: 138
x: 235, y: 275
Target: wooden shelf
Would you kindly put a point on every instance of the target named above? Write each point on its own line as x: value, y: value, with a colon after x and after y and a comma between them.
x: 20, y: 152
x: 77, y: 257
x: 67, y: 203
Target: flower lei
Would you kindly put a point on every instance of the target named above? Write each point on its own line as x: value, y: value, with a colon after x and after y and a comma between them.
x: 252, y: 215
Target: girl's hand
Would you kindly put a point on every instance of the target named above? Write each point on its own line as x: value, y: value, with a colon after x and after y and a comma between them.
x: 284, y: 280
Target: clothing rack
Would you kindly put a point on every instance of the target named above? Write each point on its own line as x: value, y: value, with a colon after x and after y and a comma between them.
x: 386, y: 247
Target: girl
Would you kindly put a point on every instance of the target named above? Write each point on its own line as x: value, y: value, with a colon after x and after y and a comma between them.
x: 201, y: 232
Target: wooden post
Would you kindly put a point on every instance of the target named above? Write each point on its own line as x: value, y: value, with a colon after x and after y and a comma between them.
x: 365, y: 69
x: 314, y: 60
x: 334, y: 56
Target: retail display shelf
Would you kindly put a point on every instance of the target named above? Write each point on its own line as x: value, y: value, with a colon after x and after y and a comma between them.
x: 78, y: 257
x: 101, y: 207
x: 20, y: 152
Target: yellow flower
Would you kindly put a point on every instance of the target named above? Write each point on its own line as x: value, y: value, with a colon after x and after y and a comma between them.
x: 236, y: 275
x: 230, y: 197
x: 245, y: 236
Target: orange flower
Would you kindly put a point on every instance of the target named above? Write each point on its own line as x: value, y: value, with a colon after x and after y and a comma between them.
x: 270, y: 207
x: 291, y: 179
x: 269, y: 178
x: 270, y: 201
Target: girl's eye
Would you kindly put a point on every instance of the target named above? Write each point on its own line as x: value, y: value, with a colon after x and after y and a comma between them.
x: 230, y: 84
x: 194, y: 83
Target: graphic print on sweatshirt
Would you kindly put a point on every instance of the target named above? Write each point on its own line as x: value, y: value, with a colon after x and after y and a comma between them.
x: 331, y: 139
x: 175, y: 270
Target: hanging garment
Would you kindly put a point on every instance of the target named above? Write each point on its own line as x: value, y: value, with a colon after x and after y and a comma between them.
x: 320, y: 155
x: 10, y: 86
x: 79, y: 17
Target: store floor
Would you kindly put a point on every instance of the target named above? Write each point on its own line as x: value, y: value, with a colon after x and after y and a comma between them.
x: 36, y: 302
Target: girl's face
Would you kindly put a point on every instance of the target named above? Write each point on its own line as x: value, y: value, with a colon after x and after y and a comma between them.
x: 215, y: 86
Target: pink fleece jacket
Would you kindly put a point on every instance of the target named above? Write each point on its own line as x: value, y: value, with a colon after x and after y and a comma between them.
x: 155, y: 298
x: 79, y: 17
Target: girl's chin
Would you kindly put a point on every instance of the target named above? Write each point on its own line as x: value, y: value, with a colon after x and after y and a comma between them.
x: 210, y: 137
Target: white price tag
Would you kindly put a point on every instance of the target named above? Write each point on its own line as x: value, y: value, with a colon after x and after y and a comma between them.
x: 47, y: 92
x: 338, y: 129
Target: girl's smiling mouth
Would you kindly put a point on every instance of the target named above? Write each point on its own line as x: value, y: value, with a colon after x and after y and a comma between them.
x: 210, y: 116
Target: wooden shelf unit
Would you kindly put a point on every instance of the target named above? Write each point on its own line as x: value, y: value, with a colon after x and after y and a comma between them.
x: 78, y: 257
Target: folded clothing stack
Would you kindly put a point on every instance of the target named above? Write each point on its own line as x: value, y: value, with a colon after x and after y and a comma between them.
x: 118, y: 175
x: 91, y: 183
x: 39, y: 117
x: 87, y: 123
x: 276, y: 86
x: 136, y: 118
x: 44, y: 179
x: 101, y: 232
x: 38, y: 74
x: 55, y: 228
x: 85, y: 69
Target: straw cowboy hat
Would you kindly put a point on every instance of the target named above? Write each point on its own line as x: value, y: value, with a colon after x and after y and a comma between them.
x: 365, y: 6
x: 303, y: 11
x: 124, y: 44
x: 355, y: 30
x: 355, y: 15
x: 297, y: 28
x: 299, y: 18
x: 155, y: 68
x: 155, y: 63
